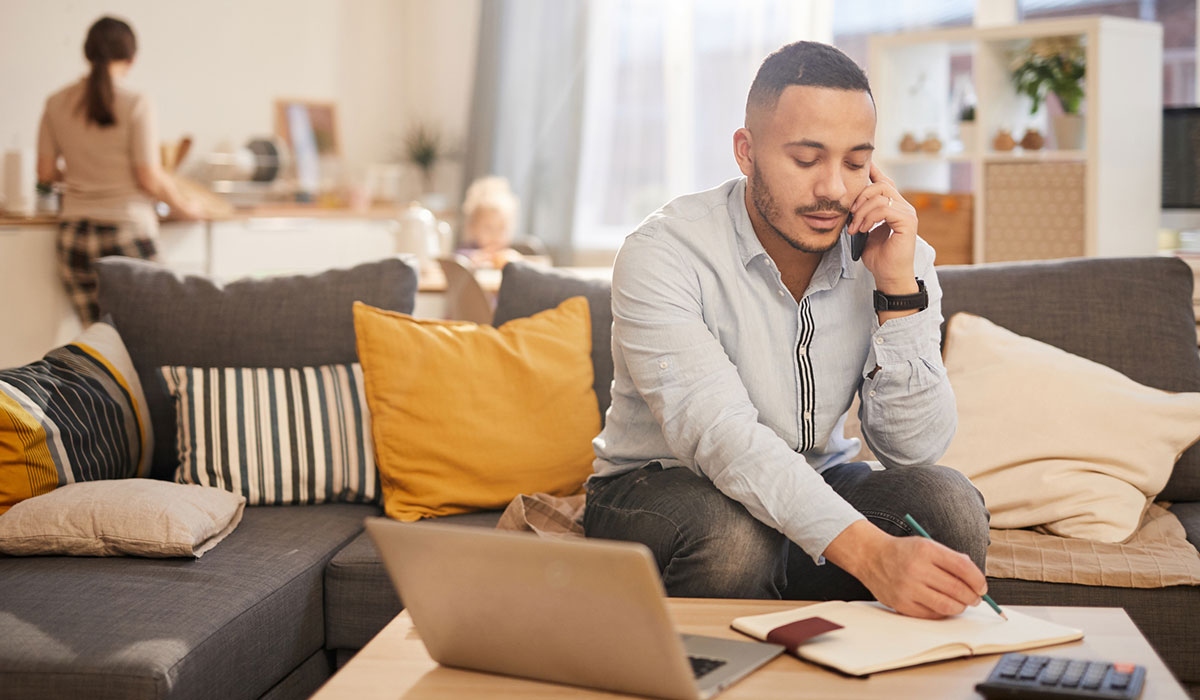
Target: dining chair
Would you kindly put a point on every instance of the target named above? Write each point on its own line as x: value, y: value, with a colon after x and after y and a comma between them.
x: 465, y: 298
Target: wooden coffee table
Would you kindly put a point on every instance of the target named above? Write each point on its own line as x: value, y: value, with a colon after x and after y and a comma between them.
x: 395, y: 665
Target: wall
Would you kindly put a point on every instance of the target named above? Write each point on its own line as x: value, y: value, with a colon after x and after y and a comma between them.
x: 214, y: 68
x: 439, y: 66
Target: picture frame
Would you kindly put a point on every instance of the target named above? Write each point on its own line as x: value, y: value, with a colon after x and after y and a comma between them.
x: 309, y: 128
x: 321, y: 118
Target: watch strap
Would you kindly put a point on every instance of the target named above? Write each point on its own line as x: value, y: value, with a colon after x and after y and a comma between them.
x: 903, y: 302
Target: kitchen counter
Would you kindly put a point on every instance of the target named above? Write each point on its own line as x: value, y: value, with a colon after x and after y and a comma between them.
x: 36, y: 220
x: 265, y: 211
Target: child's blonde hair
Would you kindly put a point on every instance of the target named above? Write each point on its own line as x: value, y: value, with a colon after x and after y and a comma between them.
x: 491, y: 192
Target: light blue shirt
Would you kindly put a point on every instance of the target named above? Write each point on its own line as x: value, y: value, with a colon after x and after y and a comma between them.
x: 720, y: 370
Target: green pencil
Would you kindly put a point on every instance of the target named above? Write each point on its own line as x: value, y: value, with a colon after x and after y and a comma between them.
x: 921, y: 531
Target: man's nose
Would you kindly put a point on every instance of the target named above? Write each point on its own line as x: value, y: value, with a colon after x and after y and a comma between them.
x: 831, y: 185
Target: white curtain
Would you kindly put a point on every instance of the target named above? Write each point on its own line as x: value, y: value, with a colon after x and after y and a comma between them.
x: 526, y: 111
x: 666, y: 88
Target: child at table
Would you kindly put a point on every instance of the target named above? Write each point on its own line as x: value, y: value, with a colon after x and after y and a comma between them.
x: 489, y: 216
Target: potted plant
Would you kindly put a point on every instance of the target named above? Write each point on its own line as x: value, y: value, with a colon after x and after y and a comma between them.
x: 1057, y: 65
x: 423, y: 148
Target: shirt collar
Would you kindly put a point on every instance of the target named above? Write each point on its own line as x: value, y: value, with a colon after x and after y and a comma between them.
x: 835, y: 263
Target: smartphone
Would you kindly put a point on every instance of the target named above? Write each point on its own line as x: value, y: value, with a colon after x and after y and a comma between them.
x: 858, y: 243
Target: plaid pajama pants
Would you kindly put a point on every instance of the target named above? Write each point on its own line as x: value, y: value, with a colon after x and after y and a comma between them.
x: 81, y: 242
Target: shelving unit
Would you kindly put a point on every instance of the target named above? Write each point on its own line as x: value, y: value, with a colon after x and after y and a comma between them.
x: 1120, y: 177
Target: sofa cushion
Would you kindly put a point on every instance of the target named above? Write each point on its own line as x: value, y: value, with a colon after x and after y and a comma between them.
x: 229, y: 625
x: 527, y: 289
x: 1035, y: 433
x: 295, y: 321
x: 466, y: 416
x: 114, y: 517
x: 1189, y: 517
x: 77, y: 414
x: 359, y: 597
x: 276, y: 435
x: 305, y: 680
x: 1132, y: 314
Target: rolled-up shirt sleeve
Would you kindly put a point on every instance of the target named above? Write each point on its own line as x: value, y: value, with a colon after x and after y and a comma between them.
x: 143, y: 140
x: 47, y: 145
x: 908, y: 411
x: 705, y: 412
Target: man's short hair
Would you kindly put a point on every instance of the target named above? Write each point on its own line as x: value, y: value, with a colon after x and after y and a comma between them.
x: 804, y: 63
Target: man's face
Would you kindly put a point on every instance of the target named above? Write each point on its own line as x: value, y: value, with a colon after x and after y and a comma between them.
x: 810, y: 160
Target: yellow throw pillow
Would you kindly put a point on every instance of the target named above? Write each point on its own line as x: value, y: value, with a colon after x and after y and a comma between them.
x: 466, y: 417
x: 1058, y: 441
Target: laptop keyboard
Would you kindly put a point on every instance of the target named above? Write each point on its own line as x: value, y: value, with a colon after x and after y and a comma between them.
x: 702, y: 666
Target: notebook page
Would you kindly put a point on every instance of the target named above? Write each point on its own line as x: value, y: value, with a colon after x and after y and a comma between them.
x: 876, y: 638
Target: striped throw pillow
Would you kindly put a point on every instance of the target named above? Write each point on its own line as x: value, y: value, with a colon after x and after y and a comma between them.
x: 275, y: 435
x: 78, y: 414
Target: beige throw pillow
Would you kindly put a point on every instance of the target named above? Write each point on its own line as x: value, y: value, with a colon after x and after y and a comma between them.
x: 1058, y: 441
x: 138, y: 517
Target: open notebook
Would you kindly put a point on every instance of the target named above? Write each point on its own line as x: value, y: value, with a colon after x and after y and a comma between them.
x: 866, y: 637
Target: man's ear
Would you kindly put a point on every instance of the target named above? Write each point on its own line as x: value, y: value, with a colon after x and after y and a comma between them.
x: 743, y: 150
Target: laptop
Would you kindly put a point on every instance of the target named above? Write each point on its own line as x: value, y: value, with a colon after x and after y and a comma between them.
x: 582, y: 612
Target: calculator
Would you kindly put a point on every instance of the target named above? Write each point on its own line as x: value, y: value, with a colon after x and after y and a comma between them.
x: 1029, y: 676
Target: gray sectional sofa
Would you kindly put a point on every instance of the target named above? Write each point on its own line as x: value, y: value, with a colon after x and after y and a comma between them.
x: 294, y: 591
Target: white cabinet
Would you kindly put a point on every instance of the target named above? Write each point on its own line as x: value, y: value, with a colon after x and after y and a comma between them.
x: 36, y: 315
x: 262, y: 247
x: 1103, y: 200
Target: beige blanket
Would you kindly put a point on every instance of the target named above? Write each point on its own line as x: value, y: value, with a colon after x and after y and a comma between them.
x: 1158, y: 555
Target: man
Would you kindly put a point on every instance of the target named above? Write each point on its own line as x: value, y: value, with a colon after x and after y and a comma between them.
x: 742, y: 329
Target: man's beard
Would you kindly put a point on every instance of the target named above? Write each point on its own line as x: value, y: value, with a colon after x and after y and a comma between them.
x: 768, y: 209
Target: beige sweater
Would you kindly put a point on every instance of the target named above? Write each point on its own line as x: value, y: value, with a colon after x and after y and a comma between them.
x: 100, y: 180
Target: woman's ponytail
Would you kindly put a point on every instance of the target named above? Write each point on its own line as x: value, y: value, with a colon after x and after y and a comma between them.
x: 108, y: 40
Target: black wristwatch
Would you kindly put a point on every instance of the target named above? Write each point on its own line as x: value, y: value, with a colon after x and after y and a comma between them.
x: 903, y: 302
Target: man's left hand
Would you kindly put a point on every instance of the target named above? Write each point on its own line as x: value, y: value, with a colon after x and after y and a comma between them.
x: 891, y: 245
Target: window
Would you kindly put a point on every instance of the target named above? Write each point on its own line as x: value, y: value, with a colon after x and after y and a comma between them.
x: 856, y: 20
x: 667, y: 84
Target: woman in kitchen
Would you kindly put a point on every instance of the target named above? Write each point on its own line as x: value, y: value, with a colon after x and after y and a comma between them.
x: 107, y: 136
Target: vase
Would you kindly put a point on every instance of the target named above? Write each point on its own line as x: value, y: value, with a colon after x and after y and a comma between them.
x: 1069, y: 132
x: 966, y: 134
x: 1003, y: 141
x: 416, y: 233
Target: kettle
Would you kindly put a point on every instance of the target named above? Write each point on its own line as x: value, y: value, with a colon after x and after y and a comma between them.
x: 417, y: 234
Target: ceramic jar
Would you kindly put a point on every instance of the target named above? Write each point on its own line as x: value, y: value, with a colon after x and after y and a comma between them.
x: 1032, y: 140
x: 1003, y: 141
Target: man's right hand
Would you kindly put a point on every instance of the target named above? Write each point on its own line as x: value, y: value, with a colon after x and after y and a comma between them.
x: 912, y: 575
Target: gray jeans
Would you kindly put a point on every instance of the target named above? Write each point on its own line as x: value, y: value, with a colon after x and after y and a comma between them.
x: 709, y: 546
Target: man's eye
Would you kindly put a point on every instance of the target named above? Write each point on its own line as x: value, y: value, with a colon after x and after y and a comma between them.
x: 855, y: 166
x: 805, y: 163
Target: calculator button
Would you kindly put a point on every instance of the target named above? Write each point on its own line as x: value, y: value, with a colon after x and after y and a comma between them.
x: 1119, y: 681
x: 1053, y: 672
x: 1073, y: 673
x: 1094, y: 676
x: 1123, y: 668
